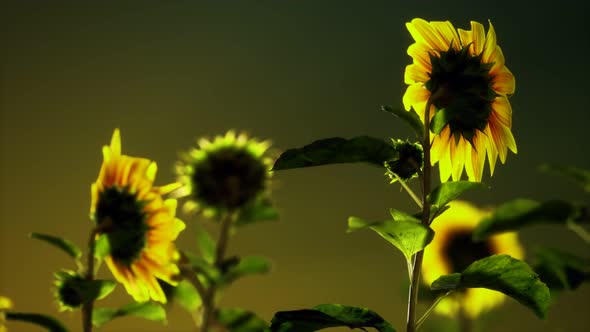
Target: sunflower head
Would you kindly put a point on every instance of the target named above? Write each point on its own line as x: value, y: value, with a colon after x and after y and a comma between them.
x: 139, y: 223
x: 464, y: 74
x: 68, y: 292
x: 225, y: 173
x: 453, y: 250
x: 407, y: 161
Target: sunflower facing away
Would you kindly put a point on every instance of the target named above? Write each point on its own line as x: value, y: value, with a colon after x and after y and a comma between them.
x: 452, y: 250
x: 139, y: 224
x: 463, y: 72
x: 224, y: 174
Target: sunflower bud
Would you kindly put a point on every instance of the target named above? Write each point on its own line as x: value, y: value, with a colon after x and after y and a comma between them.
x: 68, y: 293
x: 407, y: 161
x: 225, y: 174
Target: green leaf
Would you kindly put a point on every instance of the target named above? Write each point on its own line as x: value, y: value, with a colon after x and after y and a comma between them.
x: 326, y: 316
x: 408, y: 235
x: 49, y: 323
x: 518, y: 213
x: 206, y: 244
x: 68, y: 247
x: 261, y: 210
x: 187, y: 296
x: 337, y: 150
x: 579, y: 175
x: 102, y: 247
x: 561, y: 270
x: 249, y: 265
x: 409, y: 117
x: 203, y: 268
x: 91, y: 290
x: 504, y: 274
x: 239, y: 320
x: 440, y: 119
x: 147, y: 310
x: 448, y: 191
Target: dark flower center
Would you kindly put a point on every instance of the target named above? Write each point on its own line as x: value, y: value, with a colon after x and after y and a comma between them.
x: 408, y: 160
x: 69, y: 294
x: 462, y: 251
x: 229, y: 178
x: 124, y: 220
x: 462, y: 85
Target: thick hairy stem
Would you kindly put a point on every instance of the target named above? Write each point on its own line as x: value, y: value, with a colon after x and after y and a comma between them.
x: 417, y: 259
x: 209, y: 298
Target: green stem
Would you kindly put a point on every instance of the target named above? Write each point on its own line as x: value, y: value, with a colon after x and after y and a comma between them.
x: 409, y: 190
x: 209, y: 298
x: 431, y: 309
x: 465, y: 322
x: 579, y: 230
x: 419, y: 256
x: 87, y: 307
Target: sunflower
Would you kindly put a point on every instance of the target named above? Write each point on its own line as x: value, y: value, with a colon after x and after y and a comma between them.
x: 5, y: 304
x: 462, y: 72
x: 452, y: 250
x: 224, y: 174
x: 139, y: 224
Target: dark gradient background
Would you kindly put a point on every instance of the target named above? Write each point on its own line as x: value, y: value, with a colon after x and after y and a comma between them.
x: 167, y: 72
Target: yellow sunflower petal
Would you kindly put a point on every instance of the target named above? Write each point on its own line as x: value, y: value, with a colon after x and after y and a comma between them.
x: 416, y: 96
x: 116, y: 142
x: 498, y: 59
x: 447, y: 34
x: 420, y: 53
x: 423, y: 32
x: 5, y: 303
x: 504, y: 82
x: 489, y: 48
x: 479, y: 38
x: 415, y: 74
x: 466, y: 37
x: 502, y: 111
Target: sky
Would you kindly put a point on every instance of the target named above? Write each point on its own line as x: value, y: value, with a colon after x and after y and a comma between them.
x: 169, y: 72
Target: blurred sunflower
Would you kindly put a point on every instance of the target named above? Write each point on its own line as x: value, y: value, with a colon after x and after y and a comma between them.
x: 5, y: 304
x: 462, y: 72
x: 139, y: 224
x: 224, y: 174
x: 452, y: 250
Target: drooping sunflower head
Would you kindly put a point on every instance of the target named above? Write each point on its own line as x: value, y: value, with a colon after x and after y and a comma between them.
x: 225, y: 173
x: 453, y: 250
x: 406, y: 162
x: 139, y: 223
x: 464, y: 73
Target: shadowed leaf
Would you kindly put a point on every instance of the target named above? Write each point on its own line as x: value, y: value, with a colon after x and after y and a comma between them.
x: 326, y: 316
x: 261, y: 210
x: 440, y: 119
x: 206, y: 244
x: 239, y: 320
x: 68, y: 247
x: 578, y: 175
x: 49, y: 323
x: 409, y: 117
x: 560, y: 270
x: 504, y: 274
x: 518, y: 213
x: 147, y: 310
x: 447, y: 192
x: 337, y: 151
x: 249, y: 265
x: 408, y: 235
